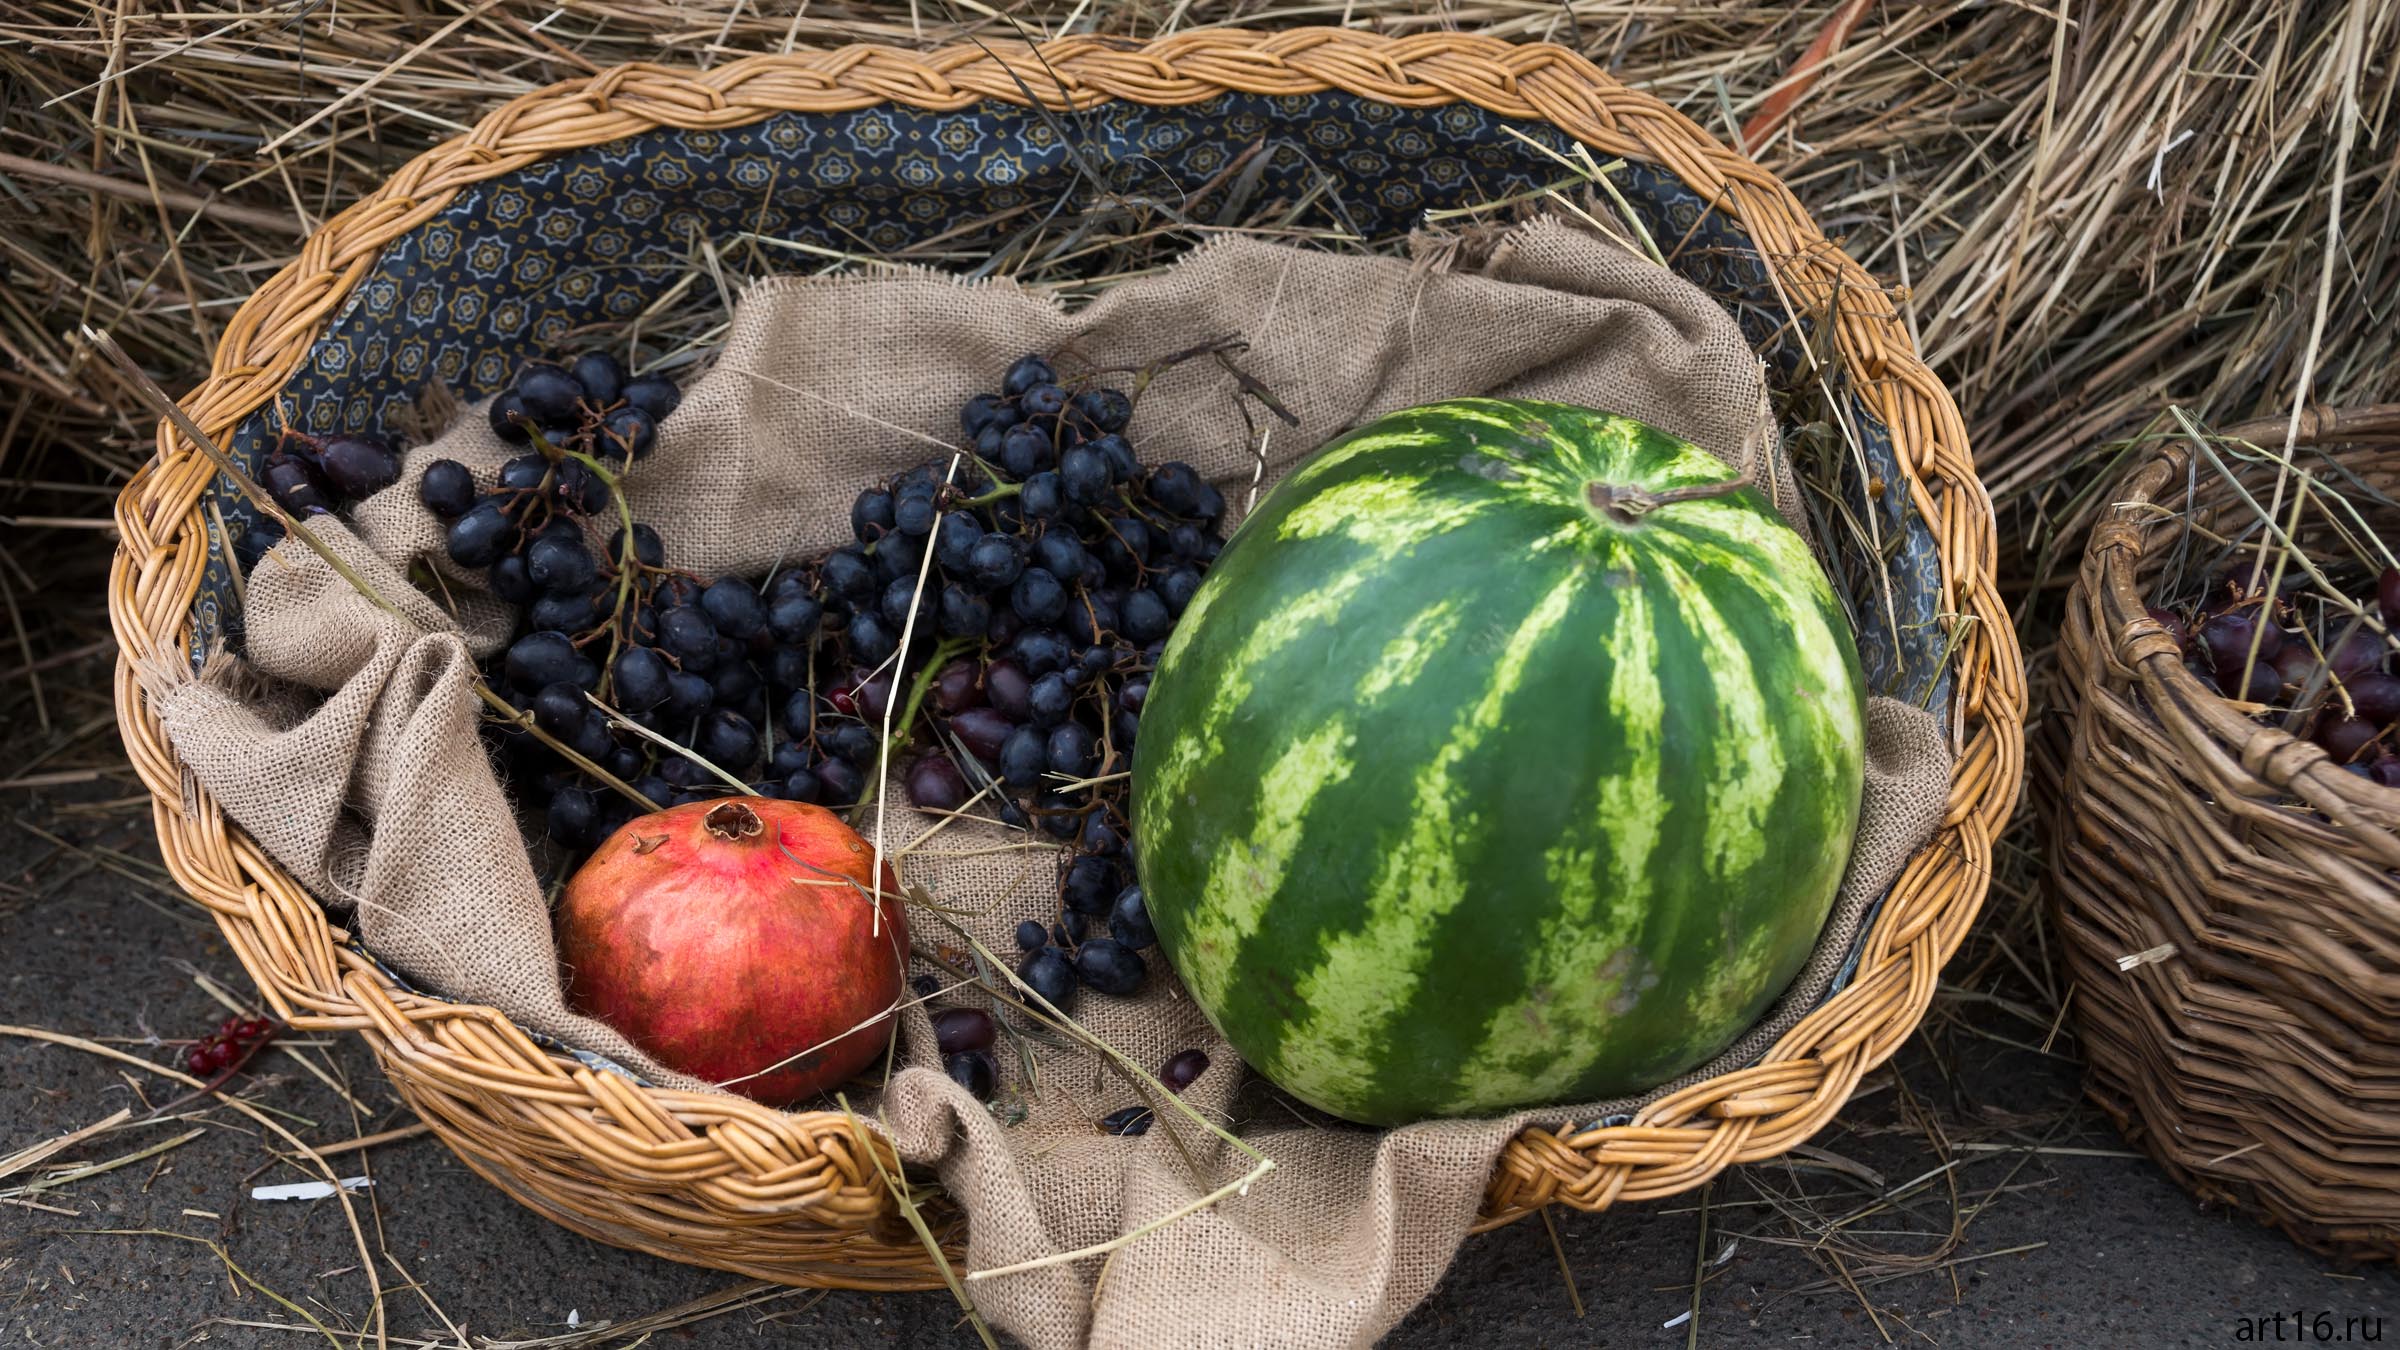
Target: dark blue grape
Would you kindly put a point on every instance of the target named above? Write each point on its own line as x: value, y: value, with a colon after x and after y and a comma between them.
x: 787, y: 667
x: 1039, y: 652
x: 839, y: 783
x: 899, y: 599
x: 985, y: 410
x: 1186, y: 540
x: 688, y: 695
x: 899, y: 555
x: 1124, y: 547
x: 954, y: 543
x: 1092, y: 617
x: 539, y: 659
x: 574, y: 817
x: 560, y: 564
x: 871, y: 515
x: 690, y: 636
x: 523, y: 473
x: 1025, y: 451
x: 848, y: 574
x: 627, y: 433
x: 506, y: 413
x: 1129, y: 919
x: 1023, y: 757
x: 871, y: 639
x: 789, y: 757
x: 1083, y: 473
x: 1048, y: 975
x: 1073, y: 750
x: 1122, y: 466
x: 1031, y: 937
x: 736, y: 682
x: 972, y: 1070
x: 264, y: 534
x: 732, y: 604
x: 1061, y: 816
x: 570, y: 611
x: 1074, y: 926
x: 560, y: 710
x: 602, y: 377
x: 549, y: 394
x: 852, y: 742
x: 653, y: 786
x: 1106, y: 409
x: 1044, y: 496
x: 1128, y: 1122
x: 794, y: 617
x: 447, y: 489
x: 1091, y: 885
x: 653, y: 395
x: 1212, y: 505
x: 511, y: 582
x: 580, y: 490
x: 1110, y: 966
x: 1100, y: 837
x: 996, y: 561
x: 964, y: 613
x: 802, y: 785
x: 1061, y: 554
x: 478, y: 538
x: 591, y: 740
x: 728, y: 740
x: 1043, y: 400
x: 1146, y: 617
x: 1025, y: 373
x: 914, y: 515
x: 675, y: 592
x: 1175, y: 486
x: 1038, y: 597
x: 640, y: 679
x: 1177, y: 588
x: 1050, y: 700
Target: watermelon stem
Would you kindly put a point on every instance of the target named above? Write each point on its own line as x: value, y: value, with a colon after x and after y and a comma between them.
x: 1627, y: 505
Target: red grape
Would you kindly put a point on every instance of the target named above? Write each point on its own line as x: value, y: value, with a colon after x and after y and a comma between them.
x: 935, y: 784
x: 2375, y: 697
x: 983, y: 731
x: 956, y: 688
x: 2344, y: 737
x: 1184, y: 1070
x: 956, y: 1029
x: 2387, y: 596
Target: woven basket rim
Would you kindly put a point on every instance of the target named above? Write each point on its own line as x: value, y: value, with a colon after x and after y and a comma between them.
x: 2252, y: 767
x: 803, y: 1191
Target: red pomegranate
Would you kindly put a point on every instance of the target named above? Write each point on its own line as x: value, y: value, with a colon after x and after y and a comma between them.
x: 740, y: 942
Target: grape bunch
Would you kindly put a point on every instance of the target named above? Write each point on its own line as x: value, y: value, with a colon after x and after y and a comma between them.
x: 610, y: 625
x: 1038, y: 578
x: 315, y: 476
x: 2337, y: 674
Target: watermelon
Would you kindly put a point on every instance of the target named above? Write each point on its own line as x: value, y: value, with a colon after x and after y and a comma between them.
x: 1510, y: 754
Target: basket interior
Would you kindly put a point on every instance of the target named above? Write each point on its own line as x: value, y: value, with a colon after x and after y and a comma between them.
x: 581, y: 244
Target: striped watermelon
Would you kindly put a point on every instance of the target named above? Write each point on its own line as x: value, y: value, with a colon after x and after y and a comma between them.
x: 1458, y: 790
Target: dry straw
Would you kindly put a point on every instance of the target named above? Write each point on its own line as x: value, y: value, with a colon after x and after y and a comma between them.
x: 804, y: 1196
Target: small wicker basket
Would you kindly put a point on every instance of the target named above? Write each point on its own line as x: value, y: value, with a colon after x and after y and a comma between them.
x: 2225, y: 893
x: 718, y: 1181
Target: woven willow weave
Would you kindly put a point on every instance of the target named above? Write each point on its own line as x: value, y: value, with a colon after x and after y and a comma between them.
x: 2254, y: 1053
x: 718, y: 1181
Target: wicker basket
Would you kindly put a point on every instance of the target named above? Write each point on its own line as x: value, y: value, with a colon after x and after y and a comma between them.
x: 2251, y: 1046
x: 795, y: 1197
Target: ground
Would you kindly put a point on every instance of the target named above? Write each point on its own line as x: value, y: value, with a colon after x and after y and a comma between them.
x: 2063, y: 1237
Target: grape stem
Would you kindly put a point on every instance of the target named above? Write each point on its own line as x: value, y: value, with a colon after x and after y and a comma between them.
x: 947, y: 651
x: 1627, y: 505
x: 1000, y: 493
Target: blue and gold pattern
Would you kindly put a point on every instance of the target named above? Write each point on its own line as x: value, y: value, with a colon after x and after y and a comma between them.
x: 513, y: 265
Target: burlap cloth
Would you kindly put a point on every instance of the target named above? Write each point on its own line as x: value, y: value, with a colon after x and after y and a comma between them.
x: 373, y: 791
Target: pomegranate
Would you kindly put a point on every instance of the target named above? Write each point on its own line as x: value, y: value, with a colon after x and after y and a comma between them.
x: 739, y: 941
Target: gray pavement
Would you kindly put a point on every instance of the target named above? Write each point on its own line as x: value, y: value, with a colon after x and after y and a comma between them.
x: 2075, y: 1245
